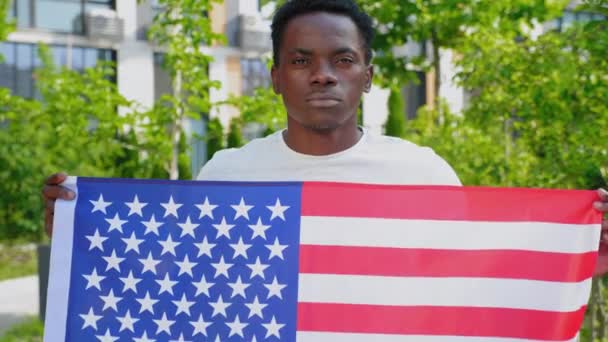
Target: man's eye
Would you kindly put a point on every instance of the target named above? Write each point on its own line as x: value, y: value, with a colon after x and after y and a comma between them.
x: 299, y: 61
x: 347, y: 60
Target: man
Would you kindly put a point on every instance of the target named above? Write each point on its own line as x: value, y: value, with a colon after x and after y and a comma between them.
x: 322, y: 54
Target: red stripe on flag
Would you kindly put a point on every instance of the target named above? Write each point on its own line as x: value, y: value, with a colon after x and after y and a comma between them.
x: 531, y: 265
x: 449, y: 203
x: 447, y: 321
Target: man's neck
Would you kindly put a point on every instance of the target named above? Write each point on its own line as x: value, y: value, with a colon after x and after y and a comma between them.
x: 321, y: 142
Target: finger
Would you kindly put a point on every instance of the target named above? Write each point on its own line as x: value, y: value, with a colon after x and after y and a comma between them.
x: 52, y: 192
x: 603, y: 194
x: 601, y: 206
x: 49, y: 205
x: 48, y: 222
x: 56, y: 179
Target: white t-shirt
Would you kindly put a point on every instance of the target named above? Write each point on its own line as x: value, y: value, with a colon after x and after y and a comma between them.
x: 375, y: 159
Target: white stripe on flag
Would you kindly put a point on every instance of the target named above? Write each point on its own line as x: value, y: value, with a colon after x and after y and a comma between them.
x: 469, y: 292
x: 374, y: 232
x: 60, y: 268
x: 306, y: 336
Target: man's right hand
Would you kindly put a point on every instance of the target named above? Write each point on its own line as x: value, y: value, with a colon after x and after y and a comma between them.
x: 51, y: 192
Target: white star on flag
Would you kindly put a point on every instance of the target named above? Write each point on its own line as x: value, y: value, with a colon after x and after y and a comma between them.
x: 204, y: 248
x: 236, y: 327
x: 152, y: 226
x: 274, y: 289
x: 163, y: 324
x: 240, y: 248
x: 276, y: 249
x: 147, y: 303
x: 166, y: 285
x: 183, y: 305
x: 206, y: 209
x: 257, y: 269
x: 113, y: 261
x: 107, y: 337
x: 255, y: 308
x: 143, y: 338
x: 90, y: 319
x: 242, y: 209
x: 259, y: 229
x: 96, y: 240
x: 222, y: 267
x: 181, y: 338
x: 171, y: 207
x: 219, y: 307
x: 135, y: 207
x: 130, y: 283
x: 272, y: 328
x: 168, y: 245
x: 149, y: 264
x: 200, y: 326
x: 238, y: 288
x: 277, y: 210
x: 202, y: 286
x: 185, y: 266
x: 187, y: 227
x: 223, y: 229
x: 132, y: 243
x: 110, y: 301
x: 94, y: 280
x: 100, y: 205
x: 115, y: 223
x: 126, y: 322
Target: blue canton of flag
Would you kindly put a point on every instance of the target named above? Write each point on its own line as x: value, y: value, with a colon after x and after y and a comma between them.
x: 192, y: 261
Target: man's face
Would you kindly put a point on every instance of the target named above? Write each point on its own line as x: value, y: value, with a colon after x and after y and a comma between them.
x: 322, y: 71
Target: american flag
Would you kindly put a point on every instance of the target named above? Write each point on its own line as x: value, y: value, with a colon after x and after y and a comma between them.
x: 136, y: 260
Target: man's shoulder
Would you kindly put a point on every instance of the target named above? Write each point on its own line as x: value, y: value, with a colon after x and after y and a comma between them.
x: 395, y: 145
x: 252, y: 149
x: 236, y: 158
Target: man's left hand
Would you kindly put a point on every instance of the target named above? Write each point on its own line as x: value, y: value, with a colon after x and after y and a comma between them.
x: 601, y: 267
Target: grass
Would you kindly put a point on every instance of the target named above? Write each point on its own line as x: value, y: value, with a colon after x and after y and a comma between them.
x: 17, y: 261
x: 30, y: 330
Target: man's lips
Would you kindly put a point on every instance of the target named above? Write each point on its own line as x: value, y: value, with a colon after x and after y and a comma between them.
x: 322, y: 100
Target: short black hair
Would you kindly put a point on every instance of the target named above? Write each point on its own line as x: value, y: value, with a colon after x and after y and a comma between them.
x: 295, y: 8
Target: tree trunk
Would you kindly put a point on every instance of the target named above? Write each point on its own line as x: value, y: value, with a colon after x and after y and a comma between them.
x: 176, y: 127
x: 437, y: 68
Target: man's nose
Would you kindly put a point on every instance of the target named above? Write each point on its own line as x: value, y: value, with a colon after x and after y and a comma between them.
x: 323, y: 74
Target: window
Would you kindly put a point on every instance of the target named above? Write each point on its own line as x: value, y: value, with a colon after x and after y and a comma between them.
x: 254, y: 74
x: 7, y: 69
x: 569, y: 18
x: 56, y: 15
x: 21, y: 60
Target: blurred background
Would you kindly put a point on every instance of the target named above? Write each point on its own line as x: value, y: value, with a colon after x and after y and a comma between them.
x: 510, y: 92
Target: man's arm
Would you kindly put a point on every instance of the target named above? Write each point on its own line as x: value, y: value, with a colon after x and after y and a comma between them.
x: 601, y: 267
x: 52, y: 191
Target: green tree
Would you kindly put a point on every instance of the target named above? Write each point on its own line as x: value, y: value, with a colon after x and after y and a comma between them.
x: 263, y: 107
x: 75, y: 128
x: 444, y: 24
x: 235, y: 136
x: 395, y: 123
x: 183, y: 28
x: 6, y: 27
x: 215, y: 137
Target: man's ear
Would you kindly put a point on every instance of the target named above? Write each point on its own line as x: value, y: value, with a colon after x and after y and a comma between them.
x: 369, y: 74
x: 275, y: 80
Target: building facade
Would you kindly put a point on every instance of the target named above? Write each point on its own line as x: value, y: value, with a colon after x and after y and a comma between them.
x: 82, y: 32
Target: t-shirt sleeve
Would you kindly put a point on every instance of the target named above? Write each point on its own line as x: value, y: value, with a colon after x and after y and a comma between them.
x: 443, y: 173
